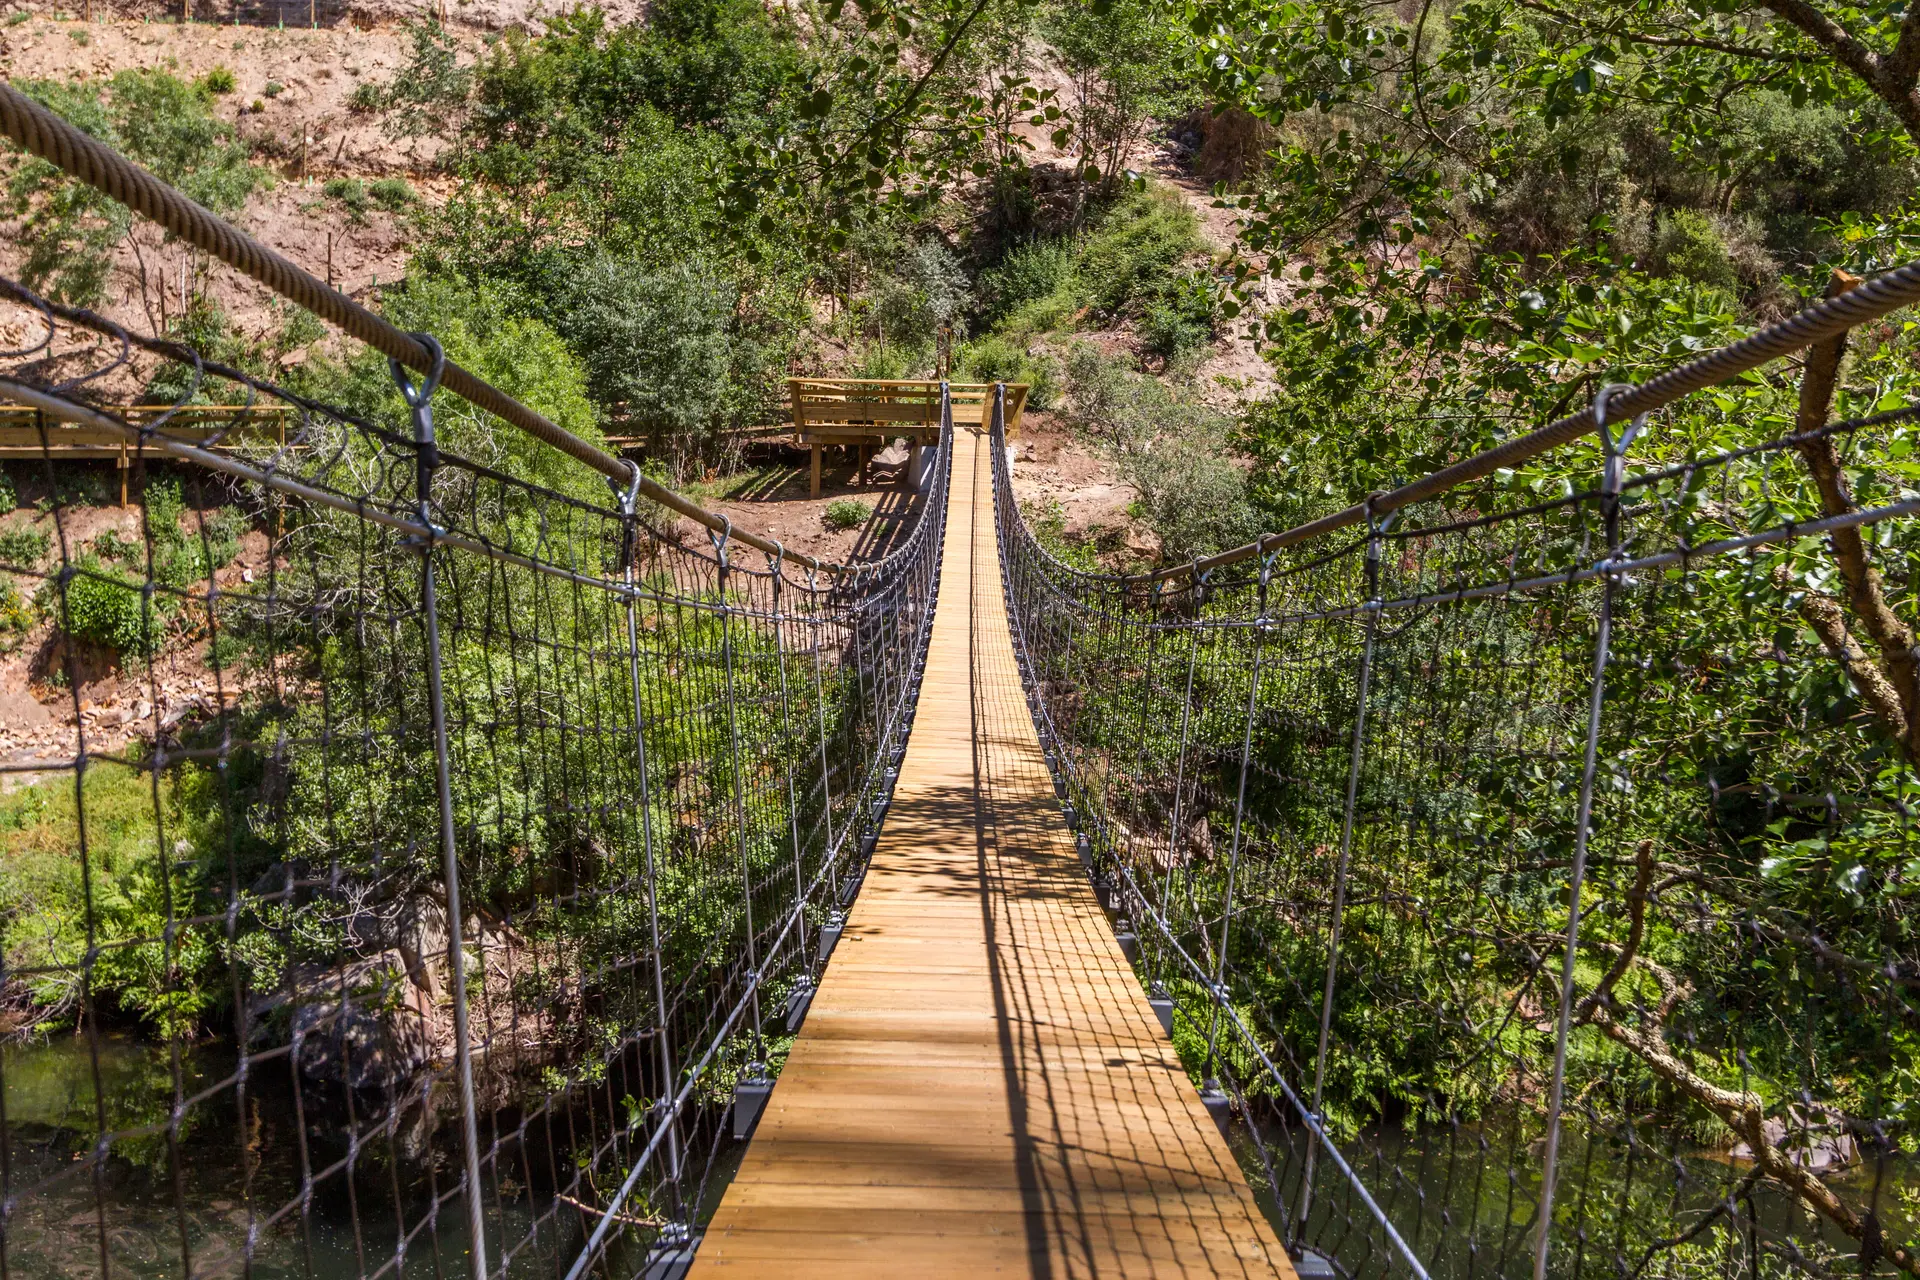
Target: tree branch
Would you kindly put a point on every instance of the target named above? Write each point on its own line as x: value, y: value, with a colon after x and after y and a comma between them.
x: 1881, y: 75
x: 1745, y: 1115
x: 1666, y: 42
x: 1644, y: 866
x: 1903, y: 65
x: 1822, y: 613
x: 1864, y: 591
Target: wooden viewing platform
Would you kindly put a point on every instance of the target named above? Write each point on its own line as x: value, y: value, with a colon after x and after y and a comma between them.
x: 208, y: 425
x: 980, y: 1087
x: 863, y: 414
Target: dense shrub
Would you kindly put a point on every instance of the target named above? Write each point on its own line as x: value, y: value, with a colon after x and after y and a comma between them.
x: 24, y: 547
x: 995, y: 358
x: 1687, y: 244
x: 1180, y: 322
x: 391, y: 194
x: 1029, y: 273
x: 352, y: 195
x: 109, y: 609
x: 1135, y: 246
x: 653, y: 340
x: 925, y: 289
x: 846, y: 513
x: 70, y: 230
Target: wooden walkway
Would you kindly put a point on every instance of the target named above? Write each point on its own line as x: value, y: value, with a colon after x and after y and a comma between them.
x: 980, y: 1087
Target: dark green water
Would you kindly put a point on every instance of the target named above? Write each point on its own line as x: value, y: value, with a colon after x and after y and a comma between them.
x: 239, y: 1176
x: 1464, y: 1202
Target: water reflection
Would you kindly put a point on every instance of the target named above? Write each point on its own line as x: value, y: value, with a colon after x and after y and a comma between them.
x: 239, y: 1174
x: 1464, y: 1199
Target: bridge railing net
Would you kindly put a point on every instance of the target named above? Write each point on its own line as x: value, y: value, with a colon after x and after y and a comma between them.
x: 1339, y: 791
x: 648, y: 774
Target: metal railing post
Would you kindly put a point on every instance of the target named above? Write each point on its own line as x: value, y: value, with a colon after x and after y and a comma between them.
x: 1239, y: 814
x: 628, y: 504
x: 1338, y: 918
x: 420, y: 402
x: 720, y: 551
x: 1610, y: 486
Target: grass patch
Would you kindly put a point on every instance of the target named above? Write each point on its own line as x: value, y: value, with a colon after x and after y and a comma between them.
x: 846, y: 513
x: 43, y: 902
x: 23, y: 548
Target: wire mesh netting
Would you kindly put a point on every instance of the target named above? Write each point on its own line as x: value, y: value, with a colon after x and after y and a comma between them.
x: 474, y: 827
x: 1487, y: 815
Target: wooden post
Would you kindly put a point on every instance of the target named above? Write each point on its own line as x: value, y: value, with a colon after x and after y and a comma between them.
x: 913, y: 462
x: 123, y: 473
x: 813, y: 490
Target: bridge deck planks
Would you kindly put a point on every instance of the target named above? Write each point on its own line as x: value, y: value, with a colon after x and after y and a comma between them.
x: 980, y: 1087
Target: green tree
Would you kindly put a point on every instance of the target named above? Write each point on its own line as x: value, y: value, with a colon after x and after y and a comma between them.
x: 71, y: 230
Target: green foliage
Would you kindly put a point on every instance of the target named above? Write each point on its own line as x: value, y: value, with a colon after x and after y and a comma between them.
x: 1125, y: 60
x: 1136, y: 247
x: 1126, y: 265
x: 9, y: 497
x: 1180, y: 322
x: 219, y: 81
x: 156, y: 119
x: 1175, y: 451
x: 1031, y: 272
x: 17, y: 615
x: 847, y: 513
x: 24, y: 547
x: 108, y: 608
x: 273, y: 89
x: 391, y: 194
x: 351, y: 193
x: 896, y: 100
x: 426, y: 97
x: 365, y: 99
x: 204, y: 326
x: 1048, y: 520
x: 1688, y: 245
x: 999, y: 359
x: 924, y: 290
x: 656, y: 341
x: 133, y: 890
x: 484, y: 330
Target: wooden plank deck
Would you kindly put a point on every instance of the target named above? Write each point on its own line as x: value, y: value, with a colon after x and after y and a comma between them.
x: 980, y: 1087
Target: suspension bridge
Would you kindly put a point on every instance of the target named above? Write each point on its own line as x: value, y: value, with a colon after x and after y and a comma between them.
x: 552, y: 878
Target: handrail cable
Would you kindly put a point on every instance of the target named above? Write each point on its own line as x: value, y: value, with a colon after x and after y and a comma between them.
x: 1825, y: 319
x: 74, y: 152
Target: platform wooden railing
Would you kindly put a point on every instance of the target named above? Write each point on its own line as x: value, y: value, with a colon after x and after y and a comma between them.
x: 863, y: 414
x: 25, y: 434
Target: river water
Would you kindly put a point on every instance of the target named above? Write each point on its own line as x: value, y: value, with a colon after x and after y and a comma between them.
x: 160, y: 1220
x: 1464, y: 1200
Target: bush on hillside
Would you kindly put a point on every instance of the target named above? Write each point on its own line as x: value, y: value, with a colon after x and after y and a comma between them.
x: 108, y: 608
x: 845, y: 513
x: 998, y: 359
x: 1181, y: 321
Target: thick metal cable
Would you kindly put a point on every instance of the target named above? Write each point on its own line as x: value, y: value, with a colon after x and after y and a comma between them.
x: 1825, y: 319
x: 69, y: 149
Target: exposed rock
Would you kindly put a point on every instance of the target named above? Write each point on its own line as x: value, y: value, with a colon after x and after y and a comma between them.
x: 361, y: 1041
x: 1819, y: 1143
